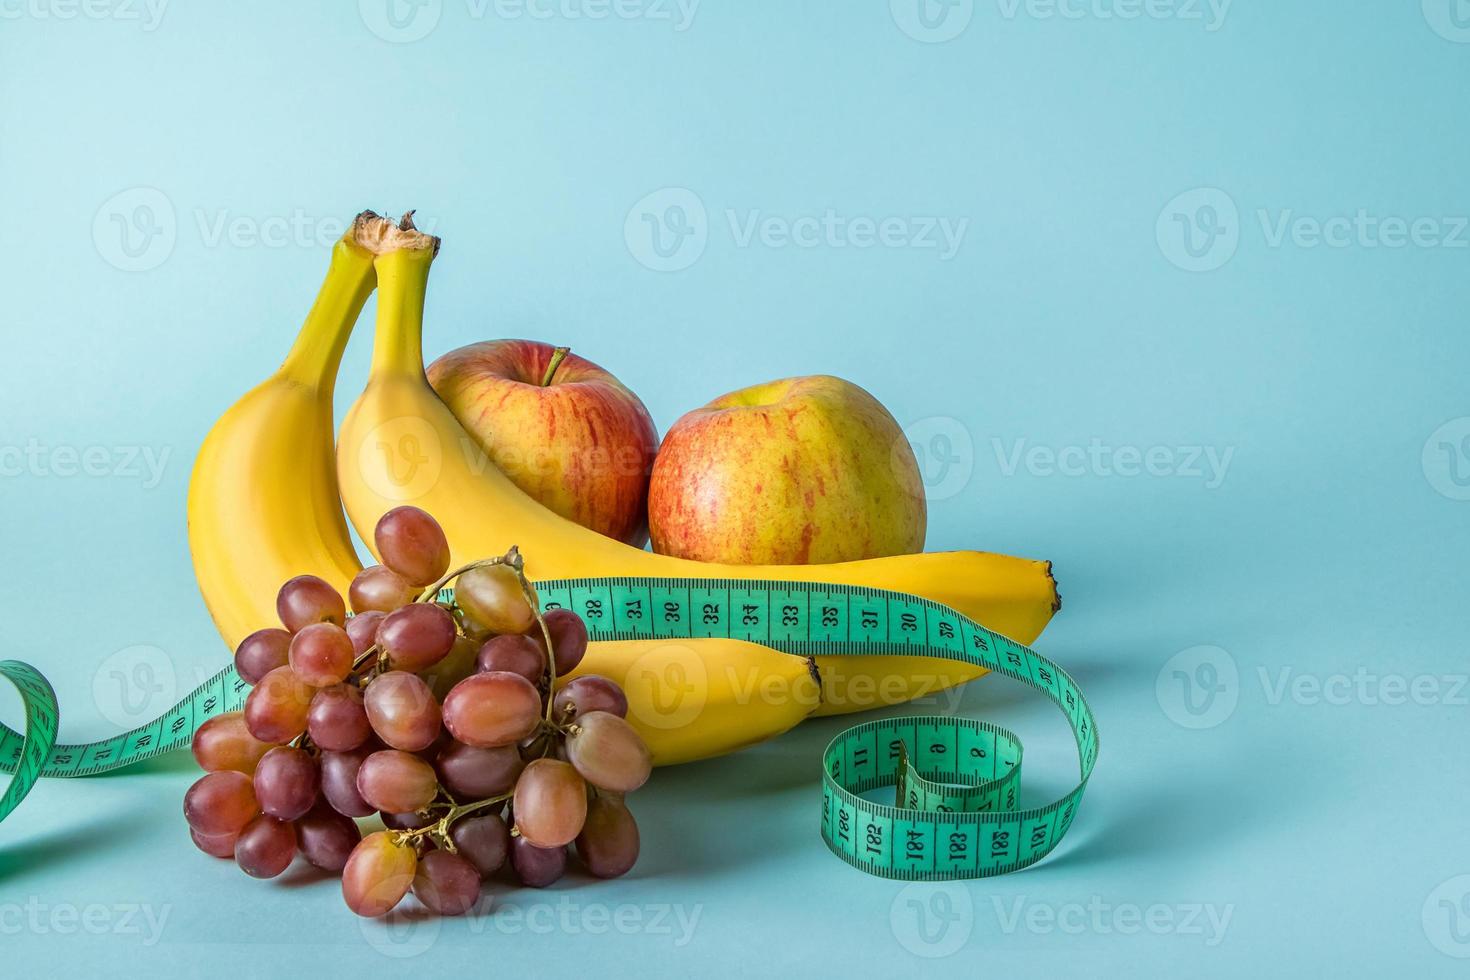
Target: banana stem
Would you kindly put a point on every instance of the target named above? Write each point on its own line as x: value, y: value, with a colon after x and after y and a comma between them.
x: 317, y: 352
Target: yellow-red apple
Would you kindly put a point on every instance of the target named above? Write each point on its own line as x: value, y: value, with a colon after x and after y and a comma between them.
x: 799, y: 471
x: 563, y: 429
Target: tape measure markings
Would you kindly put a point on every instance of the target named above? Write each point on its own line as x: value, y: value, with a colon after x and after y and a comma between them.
x: 956, y: 780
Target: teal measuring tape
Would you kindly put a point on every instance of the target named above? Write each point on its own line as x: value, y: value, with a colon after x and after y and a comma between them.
x: 956, y: 806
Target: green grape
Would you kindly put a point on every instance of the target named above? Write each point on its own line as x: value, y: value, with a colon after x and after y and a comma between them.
x: 307, y: 599
x: 403, y: 711
x: 608, y: 752
x: 608, y: 843
x: 260, y: 653
x: 412, y: 544
x: 491, y: 595
x: 220, y: 803
x: 265, y: 847
x: 277, y: 707
x: 446, y: 883
x: 378, y: 874
x: 417, y: 637
x: 492, y: 709
x: 378, y: 588
x: 397, y: 782
x: 322, y: 654
x: 454, y: 668
x: 224, y: 742
x: 550, y: 803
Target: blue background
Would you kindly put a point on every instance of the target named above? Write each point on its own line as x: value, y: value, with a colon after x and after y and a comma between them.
x: 1331, y: 834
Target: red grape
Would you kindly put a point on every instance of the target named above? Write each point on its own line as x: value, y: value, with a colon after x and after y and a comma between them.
x: 221, y: 846
x: 589, y: 693
x: 446, y: 883
x: 225, y: 742
x: 397, y: 782
x: 492, y: 596
x: 322, y: 654
x: 260, y: 653
x: 402, y: 710
x: 417, y: 637
x: 339, y: 781
x: 276, y: 708
x: 286, y: 782
x: 492, y: 709
x: 478, y: 774
x: 515, y: 654
x: 550, y: 803
x: 326, y: 838
x: 537, y: 867
x: 568, y: 639
x: 378, y: 874
x: 484, y: 840
x: 337, y: 720
x: 265, y: 847
x: 307, y: 599
x: 363, y: 628
x: 220, y: 804
x: 379, y: 588
x: 608, y: 844
x: 412, y: 544
x: 608, y: 752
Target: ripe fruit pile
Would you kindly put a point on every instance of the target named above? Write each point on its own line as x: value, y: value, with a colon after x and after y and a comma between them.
x: 444, y: 718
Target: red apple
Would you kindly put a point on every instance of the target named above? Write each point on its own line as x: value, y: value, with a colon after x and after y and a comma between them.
x: 563, y: 429
x: 800, y: 471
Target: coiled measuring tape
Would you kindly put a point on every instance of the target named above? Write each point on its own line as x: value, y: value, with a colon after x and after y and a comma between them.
x: 956, y: 806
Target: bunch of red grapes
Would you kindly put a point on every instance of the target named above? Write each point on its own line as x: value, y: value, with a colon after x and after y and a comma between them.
x: 445, y: 719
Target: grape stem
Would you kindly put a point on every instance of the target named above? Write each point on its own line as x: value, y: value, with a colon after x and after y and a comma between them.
x: 439, y: 829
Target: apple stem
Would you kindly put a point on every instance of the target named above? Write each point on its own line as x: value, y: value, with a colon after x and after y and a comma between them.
x: 557, y: 356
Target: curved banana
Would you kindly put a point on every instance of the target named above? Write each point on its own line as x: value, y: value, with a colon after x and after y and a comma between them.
x: 703, y: 698
x: 263, y: 501
x: 401, y: 445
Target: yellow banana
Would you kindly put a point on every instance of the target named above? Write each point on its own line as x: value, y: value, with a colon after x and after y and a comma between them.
x: 703, y: 698
x: 401, y: 445
x: 263, y: 502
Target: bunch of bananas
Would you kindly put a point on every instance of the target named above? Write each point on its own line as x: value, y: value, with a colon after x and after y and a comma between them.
x: 267, y: 494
